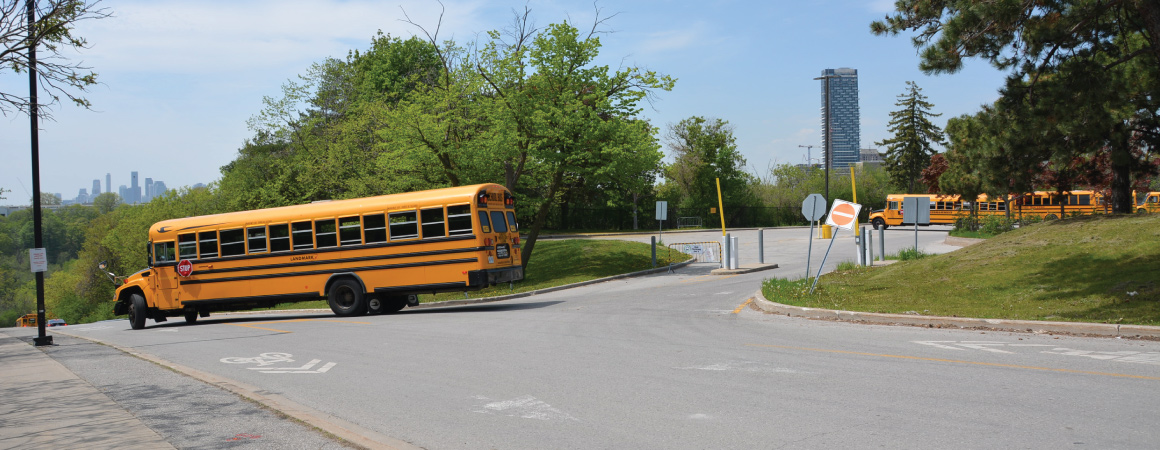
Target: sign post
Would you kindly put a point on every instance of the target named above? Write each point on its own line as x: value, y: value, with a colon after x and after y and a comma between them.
x: 662, y: 216
x: 813, y: 208
x: 916, y: 210
x: 842, y: 215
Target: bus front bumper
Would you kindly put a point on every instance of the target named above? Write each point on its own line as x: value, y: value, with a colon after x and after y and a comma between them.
x: 484, y: 278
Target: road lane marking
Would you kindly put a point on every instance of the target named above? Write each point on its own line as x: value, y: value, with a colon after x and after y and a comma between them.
x: 267, y: 359
x: 259, y: 328
x: 526, y: 407
x: 252, y: 324
x: 955, y: 361
x: 707, y: 277
x: 743, y: 305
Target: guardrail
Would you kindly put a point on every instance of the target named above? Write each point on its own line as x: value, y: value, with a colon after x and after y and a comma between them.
x: 700, y: 251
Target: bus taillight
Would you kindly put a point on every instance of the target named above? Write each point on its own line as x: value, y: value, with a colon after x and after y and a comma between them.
x: 481, y: 199
x: 509, y: 200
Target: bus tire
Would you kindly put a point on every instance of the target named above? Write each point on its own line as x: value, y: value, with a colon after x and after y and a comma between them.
x: 374, y: 305
x: 878, y: 223
x: 393, y: 304
x: 1141, y: 211
x: 346, y: 298
x: 1050, y: 217
x: 137, y: 310
x: 191, y: 317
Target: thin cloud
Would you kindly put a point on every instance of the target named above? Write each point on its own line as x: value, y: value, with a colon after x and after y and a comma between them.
x: 172, y: 36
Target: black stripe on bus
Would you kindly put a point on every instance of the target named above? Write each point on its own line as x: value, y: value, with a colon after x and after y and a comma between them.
x: 258, y: 298
x: 330, y: 249
x: 344, y: 260
x: 329, y: 271
x: 421, y: 288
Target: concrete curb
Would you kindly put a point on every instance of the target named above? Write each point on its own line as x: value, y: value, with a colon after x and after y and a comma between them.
x: 1023, y: 326
x: 745, y: 268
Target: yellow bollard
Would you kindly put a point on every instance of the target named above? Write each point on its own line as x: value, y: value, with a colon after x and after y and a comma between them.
x: 827, y: 231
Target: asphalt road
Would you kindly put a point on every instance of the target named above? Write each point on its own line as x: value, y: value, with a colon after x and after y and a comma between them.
x: 672, y: 360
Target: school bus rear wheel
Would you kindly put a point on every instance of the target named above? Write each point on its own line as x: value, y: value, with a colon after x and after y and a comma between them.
x: 347, y: 299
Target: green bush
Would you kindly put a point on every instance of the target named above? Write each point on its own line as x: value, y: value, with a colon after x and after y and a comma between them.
x: 968, y: 223
x: 994, y: 225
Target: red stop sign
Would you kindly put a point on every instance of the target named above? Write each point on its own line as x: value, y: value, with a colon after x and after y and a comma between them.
x: 185, y: 268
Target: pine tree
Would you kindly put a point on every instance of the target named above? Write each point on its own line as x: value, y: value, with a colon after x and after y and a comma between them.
x: 909, y: 151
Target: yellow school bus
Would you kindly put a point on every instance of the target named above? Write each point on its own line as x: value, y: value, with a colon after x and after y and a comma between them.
x: 1147, y: 203
x: 369, y: 255
x: 27, y: 320
x: 945, y: 209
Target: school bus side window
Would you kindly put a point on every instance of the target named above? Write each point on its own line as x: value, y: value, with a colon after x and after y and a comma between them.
x: 349, y: 231
x: 207, y: 244
x: 256, y: 238
x: 375, y: 228
x: 325, y: 233
x: 187, y: 246
x: 163, y: 252
x: 279, y: 238
x: 303, y: 235
x: 459, y: 219
x: 233, y: 242
x: 404, y: 225
x: 433, y: 225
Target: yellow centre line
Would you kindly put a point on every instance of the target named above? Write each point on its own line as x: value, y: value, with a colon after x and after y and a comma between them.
x: 251, y: 325
x: 956, y: 361
x: 743, y: 305
x: 260, y: 328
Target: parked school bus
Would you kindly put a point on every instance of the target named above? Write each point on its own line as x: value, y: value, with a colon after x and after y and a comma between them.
x: 27, y: 320
x: 1147, y: 202
x: 945, y: 209
x: 367, y: 255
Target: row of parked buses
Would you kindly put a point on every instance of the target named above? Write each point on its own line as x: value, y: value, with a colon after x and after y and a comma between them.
x: 945, y: 209
x: 365, y: 256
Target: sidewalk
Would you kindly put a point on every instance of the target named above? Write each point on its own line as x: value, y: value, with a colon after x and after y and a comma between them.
x: 45, y: 405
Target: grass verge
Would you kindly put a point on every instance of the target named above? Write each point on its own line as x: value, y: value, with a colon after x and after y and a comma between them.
x: 1099, y: 269
x: 556, y: 263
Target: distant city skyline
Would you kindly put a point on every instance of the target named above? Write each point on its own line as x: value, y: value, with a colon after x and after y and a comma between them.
x: 130, y: 194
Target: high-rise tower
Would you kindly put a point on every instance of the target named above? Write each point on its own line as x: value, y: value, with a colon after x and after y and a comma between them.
x: 844, y: 121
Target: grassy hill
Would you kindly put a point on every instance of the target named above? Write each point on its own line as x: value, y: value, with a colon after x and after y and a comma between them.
x: 1086, y: 269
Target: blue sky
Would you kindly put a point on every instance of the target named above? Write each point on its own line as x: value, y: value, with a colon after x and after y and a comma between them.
x: 180, y: 78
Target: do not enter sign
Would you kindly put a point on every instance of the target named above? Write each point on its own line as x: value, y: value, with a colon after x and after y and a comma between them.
x: 185, y: 268
x: 843, y: 214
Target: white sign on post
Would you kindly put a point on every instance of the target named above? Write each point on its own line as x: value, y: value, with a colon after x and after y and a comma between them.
x: 843, y: 214
x: 662, y: 210
x: 39, y: 259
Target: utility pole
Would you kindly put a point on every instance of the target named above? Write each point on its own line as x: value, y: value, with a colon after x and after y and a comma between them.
x: 37, y: 235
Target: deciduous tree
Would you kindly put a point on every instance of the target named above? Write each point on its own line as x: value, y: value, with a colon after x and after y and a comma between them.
x: 52, y: 37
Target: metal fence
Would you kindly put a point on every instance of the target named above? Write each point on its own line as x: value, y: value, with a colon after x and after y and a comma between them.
x: 702, y: 251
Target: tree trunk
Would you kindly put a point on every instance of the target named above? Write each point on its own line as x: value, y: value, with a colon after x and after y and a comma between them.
x: 541, y: 217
